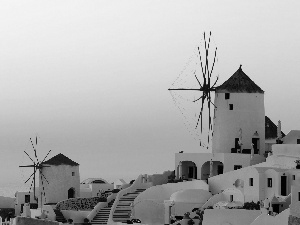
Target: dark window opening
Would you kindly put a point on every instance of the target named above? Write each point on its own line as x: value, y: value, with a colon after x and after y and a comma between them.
x: 269, y: 182
x: 73, y: 174
x: 298, y: 141
x: 255, y: 144
x: 230, y: 106
x: 231, y: 198
x: 27, y: 198
x: 227, y: 95
x: 294, y: 177
x: 250, y: 181
x: 298, y: 196
x: 236, y: 167
x: 220, y: 169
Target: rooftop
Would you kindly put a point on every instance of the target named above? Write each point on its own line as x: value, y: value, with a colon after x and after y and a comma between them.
x: 239, y: 82
x: 60, y: 159
x: 271, y: 129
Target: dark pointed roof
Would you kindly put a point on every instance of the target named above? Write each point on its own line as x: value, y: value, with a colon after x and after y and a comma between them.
x: 271, y: 129
x: 60, y: 159
x: 239, y: 82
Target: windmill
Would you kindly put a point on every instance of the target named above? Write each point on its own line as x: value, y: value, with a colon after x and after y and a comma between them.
x: 37, y: 166
x: 204, y: 65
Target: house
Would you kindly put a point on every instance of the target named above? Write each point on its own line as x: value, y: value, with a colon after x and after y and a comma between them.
x: 93, y: 187
x: 293, y: 137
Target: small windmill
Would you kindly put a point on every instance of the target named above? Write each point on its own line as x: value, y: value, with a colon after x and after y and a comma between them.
x: 206, y: 86
x: 37, y: 166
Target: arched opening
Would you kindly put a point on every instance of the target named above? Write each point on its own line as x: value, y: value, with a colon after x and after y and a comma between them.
x: 187, y: 171
x: 71, y: 193
x: 217, y: 168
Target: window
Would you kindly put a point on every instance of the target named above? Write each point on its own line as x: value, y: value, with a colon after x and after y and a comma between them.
x: 269, y: 182
x: 294, y: 177
x: 27, y: 198
x: 73, y: 174
x: 298, y: 141
x: 230, y: 106
x: 298, y: 196
x: 250, y: 181
x: 236, y: 167
x: 227, y: 95
x: 231, y: 198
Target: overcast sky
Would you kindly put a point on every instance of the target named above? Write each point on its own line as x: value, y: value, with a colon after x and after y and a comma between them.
x: 91, y: 77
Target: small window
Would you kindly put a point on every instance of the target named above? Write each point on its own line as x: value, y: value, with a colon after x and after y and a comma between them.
x: 227, y: 95
x: 27, y: 198
x: 73, y: 174
x: 298, y: 141
x: 236, y: 167
x: 230, y: 106
x: 294, y: 177
x: 299, y: 196
x: 250, y: 181
x: 231, y: 198
x: 269, y: 182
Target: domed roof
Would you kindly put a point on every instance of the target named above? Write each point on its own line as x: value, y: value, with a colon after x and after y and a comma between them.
x: 191, y: 196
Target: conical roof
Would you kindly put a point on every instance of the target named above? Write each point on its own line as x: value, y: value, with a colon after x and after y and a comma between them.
x: 60, y: 159
x: 239, y: 82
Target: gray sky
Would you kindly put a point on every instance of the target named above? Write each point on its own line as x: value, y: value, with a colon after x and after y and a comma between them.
x: 91, y: 77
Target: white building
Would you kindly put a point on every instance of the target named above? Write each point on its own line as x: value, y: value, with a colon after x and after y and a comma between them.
x: 239, y: 128
x: 60, y: 180
x: 93, y: 187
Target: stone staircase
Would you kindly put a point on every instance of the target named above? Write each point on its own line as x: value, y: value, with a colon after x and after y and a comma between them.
x: 103, y: 214
x: 59, y: 216
x: 123, y: 210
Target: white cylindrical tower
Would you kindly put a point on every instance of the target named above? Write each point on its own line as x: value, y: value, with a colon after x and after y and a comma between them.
x: 239, y: 106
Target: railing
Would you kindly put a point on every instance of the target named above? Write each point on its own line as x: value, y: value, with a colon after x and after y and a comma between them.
x: 6, y: 222
x: 101, y: 205
x: 138, y: 183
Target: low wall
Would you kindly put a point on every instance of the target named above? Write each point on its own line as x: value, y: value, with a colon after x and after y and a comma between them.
x: 79, y: 203
x: 150, y: 212
x: 281, y: 219
x: 31, y: 221
x: 229, y: 216
x: 164, y: 192
x: 76, y: 216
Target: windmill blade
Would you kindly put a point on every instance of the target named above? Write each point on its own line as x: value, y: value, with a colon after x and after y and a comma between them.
x: 212, y: 68
x: 33, y: 148
x: 31, y: 185
x: 203, y: 72
x: 45, y: 156
x: 29, y: 157
x: 44, y: 176
x: 30, y: 176
x: 213, y: 86
x: 197, y: 80
x: 198, y: 99
x: 28, y: 166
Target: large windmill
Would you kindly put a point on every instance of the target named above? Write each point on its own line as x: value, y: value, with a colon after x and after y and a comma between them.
x: 202, y: 71
x: 37, y: 166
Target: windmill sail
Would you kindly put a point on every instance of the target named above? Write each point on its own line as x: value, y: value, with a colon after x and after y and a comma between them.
x: 193, y: 91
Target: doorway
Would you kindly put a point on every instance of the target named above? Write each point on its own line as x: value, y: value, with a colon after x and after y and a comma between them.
x: 283, y: 186
x: 71, y: 193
